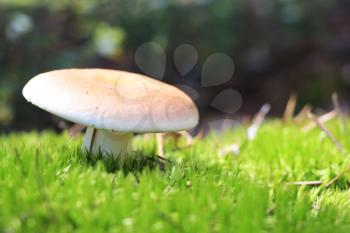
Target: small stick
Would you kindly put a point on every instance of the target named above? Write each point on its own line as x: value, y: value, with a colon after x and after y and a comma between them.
x: 338, y: 145
x: 160, y: 144
x: 161, y: 158
x: 323, y: 119
x: 196, y: 138
x: 93, y: 136
x: 187, y: 136
x: 189, y: 139
x: 199, y: 135
x: 290, y: 108
x: 75, y: 130
x: 258, y: 120
x: 335, y: 179
x: 174, y: 135
x: 318, y: 183
x: 304, y: 183
x: 303, y: 113
x: 339, y: 112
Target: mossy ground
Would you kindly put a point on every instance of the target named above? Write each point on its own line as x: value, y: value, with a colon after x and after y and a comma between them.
x: 48, y: 185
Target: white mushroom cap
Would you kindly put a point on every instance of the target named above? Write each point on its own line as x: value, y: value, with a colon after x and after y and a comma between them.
x: 112, y: 100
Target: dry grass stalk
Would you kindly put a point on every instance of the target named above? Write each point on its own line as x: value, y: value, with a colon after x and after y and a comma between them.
x: 335, y: 179
x: 173, y: 135
x: 306, y: 183
x: 199, y: 135
x: 302, y: 115
x: 318, y: 183
x: 339, y: 112
x: 188, y: 137
x: 258, y: 120
x: 317, y: 121
x: 322, y: 119
x: 161, y: 158
x: 290, y: 107
x: 76, y: 130
x: 195, y: 139
x: 190, y: 140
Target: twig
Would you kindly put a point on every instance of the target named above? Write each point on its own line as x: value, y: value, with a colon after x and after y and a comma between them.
x: 174, y: 135
x: 306, y: 183
x: 189, y: 139
x: 160, y: 144
x: 75, y: 130
x: 338, y: 145
x: 318, y: 183
x: 196, y: 138
x: 323, y: 119
x: 335, y: 179
x: 187, y: 136
x: 339, y: 112
x: 92, y: 141
x: 303, y: 113
x: 290, y: 108
x: 162, y: 158
x: 199, y: 135
x: 258, y: 120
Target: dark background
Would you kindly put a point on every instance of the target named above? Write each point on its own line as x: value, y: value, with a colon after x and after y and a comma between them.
x: 278, y: 46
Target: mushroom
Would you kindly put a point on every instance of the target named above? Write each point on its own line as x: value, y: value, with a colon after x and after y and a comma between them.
x: 113, y: 105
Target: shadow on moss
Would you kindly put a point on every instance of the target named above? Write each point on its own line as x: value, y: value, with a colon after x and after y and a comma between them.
x: 136, y: 162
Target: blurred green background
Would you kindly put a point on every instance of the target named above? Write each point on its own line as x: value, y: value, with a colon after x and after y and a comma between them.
x: 278, y: 46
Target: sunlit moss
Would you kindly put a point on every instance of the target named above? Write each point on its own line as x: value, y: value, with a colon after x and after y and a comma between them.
x: 48, y: 185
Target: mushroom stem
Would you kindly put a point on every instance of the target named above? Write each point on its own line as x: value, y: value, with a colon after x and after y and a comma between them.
x: 107, y: 142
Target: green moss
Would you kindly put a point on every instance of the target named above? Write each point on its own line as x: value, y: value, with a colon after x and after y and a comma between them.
x: 48, y: 185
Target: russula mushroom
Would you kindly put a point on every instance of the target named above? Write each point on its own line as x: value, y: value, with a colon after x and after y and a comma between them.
x: 112, y: 104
